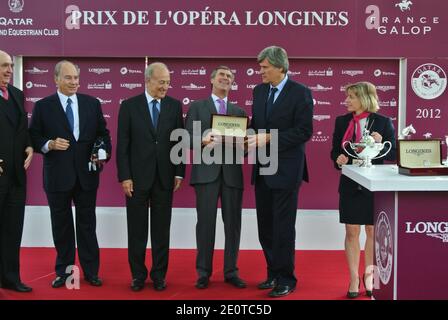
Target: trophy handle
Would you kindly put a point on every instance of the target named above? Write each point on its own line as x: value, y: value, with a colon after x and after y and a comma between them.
x: 384, y: 154
x: 349, y: 153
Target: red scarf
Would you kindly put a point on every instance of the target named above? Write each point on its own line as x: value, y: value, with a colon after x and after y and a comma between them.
x: 351, y: 127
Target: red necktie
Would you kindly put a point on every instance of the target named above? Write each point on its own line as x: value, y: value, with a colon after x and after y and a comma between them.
x: 4, y: 92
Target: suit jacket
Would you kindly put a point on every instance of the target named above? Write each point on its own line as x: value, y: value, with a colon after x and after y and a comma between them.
x: 14, y: 138
x: 62, y: 168
x: 202, y: 111
x: 143, y: 149
x: 292, y: 116
x: 376, y: 122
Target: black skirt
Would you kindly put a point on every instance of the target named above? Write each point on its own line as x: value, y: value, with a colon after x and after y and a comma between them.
x: 355, y: 203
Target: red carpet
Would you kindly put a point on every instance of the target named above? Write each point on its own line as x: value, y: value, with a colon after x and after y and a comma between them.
x: 322, y: 275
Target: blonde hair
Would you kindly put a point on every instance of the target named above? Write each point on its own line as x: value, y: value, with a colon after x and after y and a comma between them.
x: 366, y: 93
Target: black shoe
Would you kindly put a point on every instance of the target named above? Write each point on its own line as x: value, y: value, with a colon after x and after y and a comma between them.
x: 19, y: 287
x: 58, y: 282
x: 137, y: 284
x: 281, y: 291
x: 369, y: 293
x: 267, y: 284
x: 236, y: 282
x: 159, y: 285
x: 202, y: 283
x: 94, y: 281
x: 354, y: 294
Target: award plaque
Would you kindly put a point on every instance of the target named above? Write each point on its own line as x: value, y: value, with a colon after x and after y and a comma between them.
x: 230, y: 127
x: 421, y: 158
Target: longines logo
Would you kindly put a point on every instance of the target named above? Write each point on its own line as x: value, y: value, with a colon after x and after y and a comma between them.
x: 383, y: 247
x: 99, y: 71
x: 437, y: 230
x: 193, y: 86
x: 428, y: 81
x: 36, y: 70
x: 16, y: 6
x: 385, y: 88
x: 352, y: 73
x: 319, y: 87
x: 131, y: 86
x: 320, y: 117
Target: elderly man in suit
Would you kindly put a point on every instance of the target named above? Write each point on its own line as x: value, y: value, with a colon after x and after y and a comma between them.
x: 64, y: 128
x: 285, y: 106
x: 217, y: 180
x: 147, y: 174
x: 15, y: 157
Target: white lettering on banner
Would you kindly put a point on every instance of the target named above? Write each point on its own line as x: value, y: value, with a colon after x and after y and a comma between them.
x: 206, y: 17
x: 15, y: 21
x: 431, y: 229
x: 408, y: 26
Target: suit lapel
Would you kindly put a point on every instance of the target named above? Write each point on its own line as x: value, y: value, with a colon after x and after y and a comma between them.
x: 280, y: 99
x: 261, y: 107
x: 143, y: 107
x: 82, y: 113
x: 58, y: 110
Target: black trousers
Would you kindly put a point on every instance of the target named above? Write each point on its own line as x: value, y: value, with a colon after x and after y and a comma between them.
x: 64, y: 231
x: 207, y: 196
x: 160, y: 201
x: 276, y: 217
x: 12, y: 212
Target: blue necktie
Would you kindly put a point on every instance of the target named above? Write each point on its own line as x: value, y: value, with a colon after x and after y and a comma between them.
x: 155, y: 113
x: 69, y: 114
x: 270, y: 102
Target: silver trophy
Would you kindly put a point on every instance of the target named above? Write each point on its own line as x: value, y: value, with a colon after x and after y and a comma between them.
x: 366, y: 149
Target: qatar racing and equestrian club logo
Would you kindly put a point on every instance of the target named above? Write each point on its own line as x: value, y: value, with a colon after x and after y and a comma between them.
x: 428, y: 81
x: 383, y: 247
x: 16, y: 5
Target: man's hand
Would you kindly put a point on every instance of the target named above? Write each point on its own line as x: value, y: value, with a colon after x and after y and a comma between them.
x: 1, y: 170
x: 58, y: 144
x: 98, y: 163
x: 177, y: 183
x: 128, y: 187
x: 258, y: 140
x: 29, y: 156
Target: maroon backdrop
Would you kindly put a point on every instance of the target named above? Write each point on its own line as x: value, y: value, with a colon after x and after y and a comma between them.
x: 171, y: 28
x: 112, y: 80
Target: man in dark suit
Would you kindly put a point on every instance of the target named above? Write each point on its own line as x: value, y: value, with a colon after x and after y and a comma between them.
x: 64, y: 128
x: 217, y: 180
x: 147, y: 174
x: 282, y: 111
x: 15, y: 157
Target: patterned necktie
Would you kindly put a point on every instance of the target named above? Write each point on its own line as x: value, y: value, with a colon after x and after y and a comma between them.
x: 4, y: 92
x: 270, y: 102
x: 222, y: 106
x: 155, y: 113
x: 69, y: 114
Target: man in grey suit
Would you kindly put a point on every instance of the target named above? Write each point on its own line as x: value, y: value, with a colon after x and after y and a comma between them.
x: 214, y: 181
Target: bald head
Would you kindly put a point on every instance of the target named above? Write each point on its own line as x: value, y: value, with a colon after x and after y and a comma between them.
x: 157, y: 78
x: 6, y: 66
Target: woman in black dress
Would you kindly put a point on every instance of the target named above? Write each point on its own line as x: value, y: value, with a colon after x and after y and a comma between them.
x: 355, y: 201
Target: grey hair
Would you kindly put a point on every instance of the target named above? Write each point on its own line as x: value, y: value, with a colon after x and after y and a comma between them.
x: 276, y: 56
x: 221, y: 67
x: 150, y: 69
x: 58, y: 66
